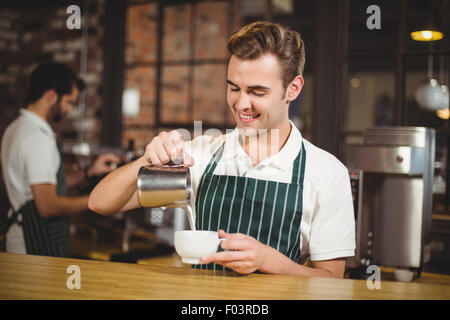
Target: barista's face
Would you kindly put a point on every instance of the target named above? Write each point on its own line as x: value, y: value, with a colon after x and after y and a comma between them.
x: 256, y: 95
x: 63, y: 105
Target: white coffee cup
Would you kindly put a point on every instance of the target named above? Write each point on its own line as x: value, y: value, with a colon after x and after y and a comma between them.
x: 192, y: 245
x: 403, y: 275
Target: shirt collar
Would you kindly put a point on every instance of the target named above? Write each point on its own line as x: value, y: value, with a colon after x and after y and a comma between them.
x: 284, y: 159
x: 281, y: 160
x: 38, y: 121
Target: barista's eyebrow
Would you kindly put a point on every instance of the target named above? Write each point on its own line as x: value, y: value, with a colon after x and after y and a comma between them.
x: 232, y: 83
x: 255, y: 87
x: 259, y: 87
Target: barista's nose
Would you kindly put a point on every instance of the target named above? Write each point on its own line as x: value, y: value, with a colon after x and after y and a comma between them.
x: 244, y: 102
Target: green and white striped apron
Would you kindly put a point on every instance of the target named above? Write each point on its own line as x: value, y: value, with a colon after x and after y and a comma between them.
x: 269, y: 211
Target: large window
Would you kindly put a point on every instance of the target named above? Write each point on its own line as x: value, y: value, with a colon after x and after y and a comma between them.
x: 371, y: 69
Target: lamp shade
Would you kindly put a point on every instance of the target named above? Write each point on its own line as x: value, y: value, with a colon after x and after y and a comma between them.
x: 430, y: 96
x: 426, y: 31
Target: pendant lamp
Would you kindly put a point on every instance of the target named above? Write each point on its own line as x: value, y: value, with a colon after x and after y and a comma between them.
x: 426, y: 30
x: 429, y: 96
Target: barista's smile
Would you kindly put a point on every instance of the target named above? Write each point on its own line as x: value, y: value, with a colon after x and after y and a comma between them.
x: 247, y: 117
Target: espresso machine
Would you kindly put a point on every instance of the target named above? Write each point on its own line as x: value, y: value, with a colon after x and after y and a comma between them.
x: 391, y: 175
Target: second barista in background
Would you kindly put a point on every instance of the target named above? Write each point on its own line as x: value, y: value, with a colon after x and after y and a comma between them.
x: 32, y: 167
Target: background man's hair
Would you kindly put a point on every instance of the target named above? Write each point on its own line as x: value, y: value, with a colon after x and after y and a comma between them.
x: 258, y: 38
x: 52, y: 75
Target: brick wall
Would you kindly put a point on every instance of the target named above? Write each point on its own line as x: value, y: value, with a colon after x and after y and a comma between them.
x: 140, y: 58
x: 29, y: 35
x: 141, y: 39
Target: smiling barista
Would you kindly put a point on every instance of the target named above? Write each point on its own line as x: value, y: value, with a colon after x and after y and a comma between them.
x: 274, y: 207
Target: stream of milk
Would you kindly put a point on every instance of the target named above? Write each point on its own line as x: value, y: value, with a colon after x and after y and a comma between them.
x: 190, y: 215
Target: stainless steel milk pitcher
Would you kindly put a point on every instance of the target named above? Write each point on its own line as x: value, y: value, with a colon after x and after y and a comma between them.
x: 166, y: 186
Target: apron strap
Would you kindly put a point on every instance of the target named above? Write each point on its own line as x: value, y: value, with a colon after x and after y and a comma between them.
x: 214, y: 160
x: 61, y: 187
x: 10, y: 221
x: 298, y: 171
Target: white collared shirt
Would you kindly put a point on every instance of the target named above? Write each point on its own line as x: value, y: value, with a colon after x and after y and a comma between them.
x: 328, y: 225
x: 29, y: 156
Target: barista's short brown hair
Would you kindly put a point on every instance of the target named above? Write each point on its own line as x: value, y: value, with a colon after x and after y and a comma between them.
x: 258, y: 38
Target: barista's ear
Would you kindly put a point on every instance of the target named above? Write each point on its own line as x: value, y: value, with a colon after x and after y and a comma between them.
x: 294, y: 88
x: 51, y: 96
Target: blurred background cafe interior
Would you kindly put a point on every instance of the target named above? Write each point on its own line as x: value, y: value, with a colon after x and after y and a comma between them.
x: 375, y: 96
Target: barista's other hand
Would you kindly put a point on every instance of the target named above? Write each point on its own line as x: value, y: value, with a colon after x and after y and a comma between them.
x: 244, y: 254
x: 103, y: 164
x: 167, y: 147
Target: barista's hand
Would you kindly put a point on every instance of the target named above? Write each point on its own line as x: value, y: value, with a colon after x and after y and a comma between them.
x: 244, y: 253
x: 103, y: 164
x: 167, y: 147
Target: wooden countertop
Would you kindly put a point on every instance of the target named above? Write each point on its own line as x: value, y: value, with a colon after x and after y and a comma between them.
x: 37, y: 277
